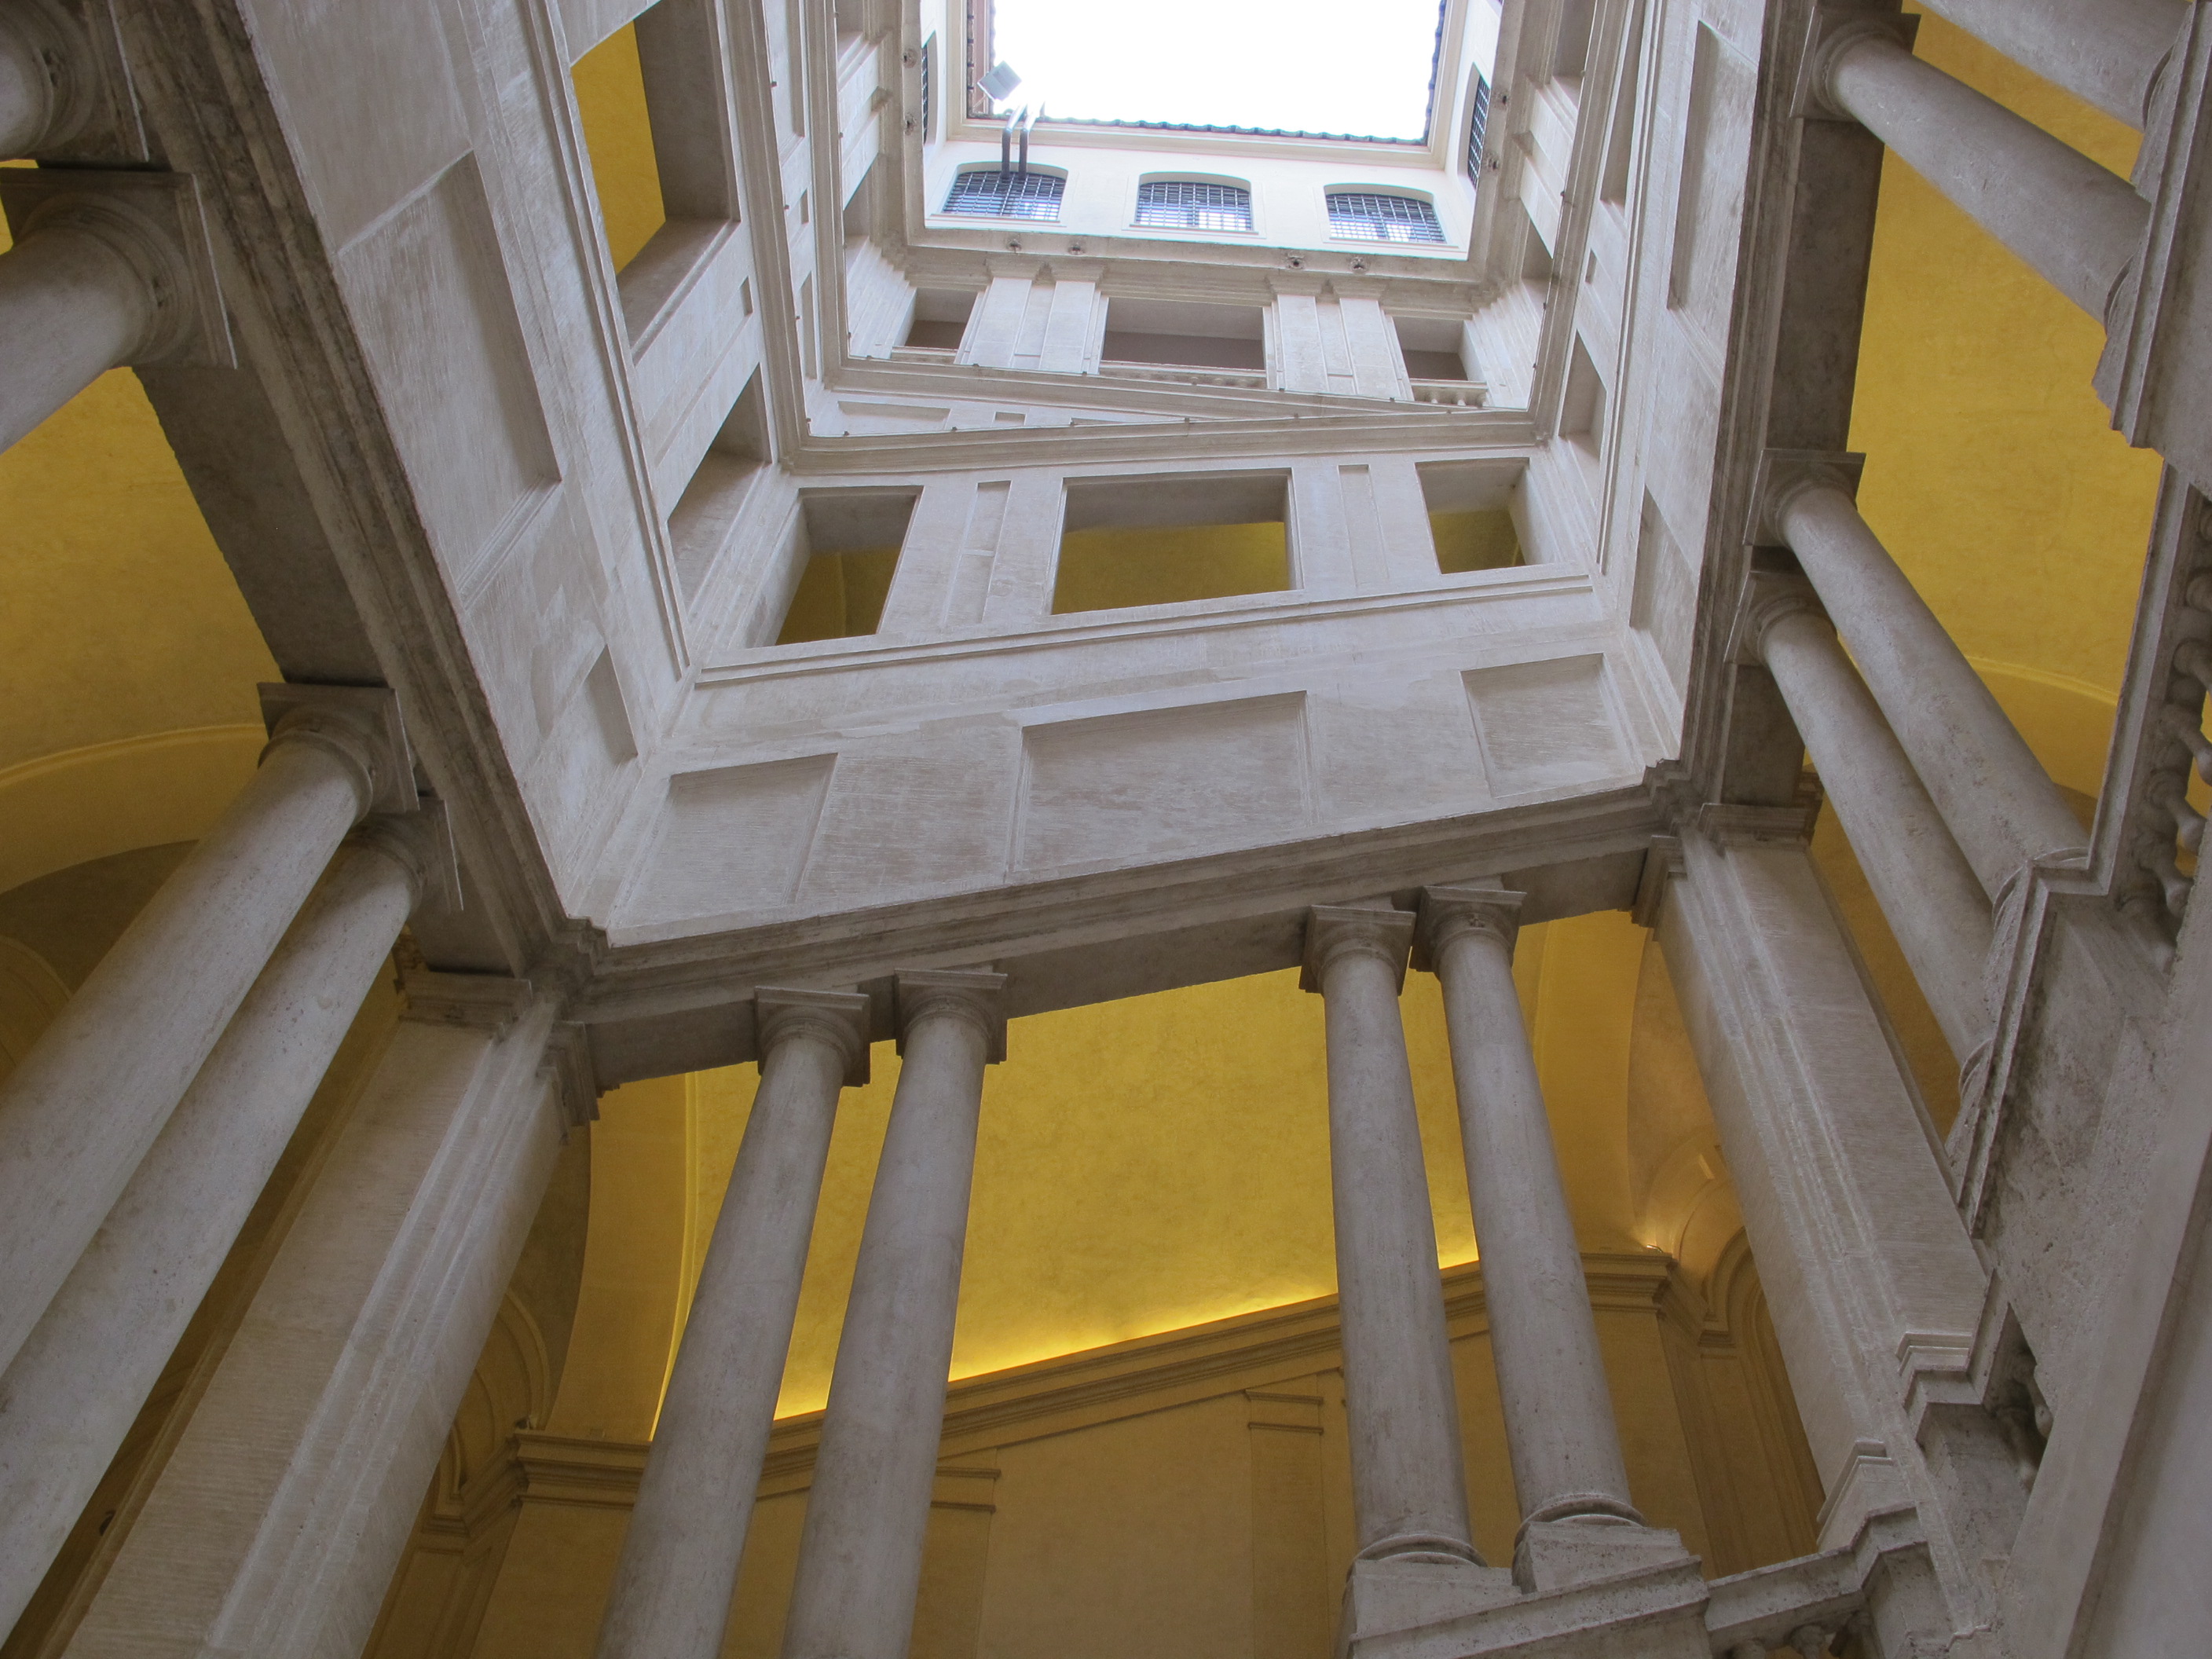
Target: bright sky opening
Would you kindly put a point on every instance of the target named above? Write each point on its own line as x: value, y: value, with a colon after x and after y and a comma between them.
x: 1359, y: 67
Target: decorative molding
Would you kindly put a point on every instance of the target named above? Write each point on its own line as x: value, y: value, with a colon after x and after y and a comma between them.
x: 1661, y: 864
x: 567, y: 1065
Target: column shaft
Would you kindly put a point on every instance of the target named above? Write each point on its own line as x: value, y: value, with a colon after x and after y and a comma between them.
x: 2000, y: 804
x: 2077, y: 224
x: 275, y: 1527
x: 2105, y: 54
x: 79, y: 1113
x: 860, y: 1554
x: 71, y: 307
x: 1560, y: 1428
x: 1408, y: 1487
x: 1925, y: 887
x: 687, y: 1533
x: 80, y: 1378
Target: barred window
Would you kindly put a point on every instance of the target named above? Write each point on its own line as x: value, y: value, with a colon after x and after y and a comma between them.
x: 1372, y: 217
x: 1184, y: 205
x: 927, y: 52
x: 1476, y: 126
x: 987, y: 193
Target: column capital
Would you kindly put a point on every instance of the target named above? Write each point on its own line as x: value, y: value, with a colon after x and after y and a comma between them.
x: 1309, y: 283
x: 1832, y: 32
x: 1663, y: 863
x: 838, y: 1018
x: 566, y: 1067
x: 360, y: 723
x: 1785, y: 474
x: 422, y: 843
x: 1334, y: 930
x: 1357, y: 287
x: 154, y: 223
x: 1768, y: 597
x: 1014, y: 265
x: 972, y: 994
x: 1486, y: 906
x: 1075, y: 270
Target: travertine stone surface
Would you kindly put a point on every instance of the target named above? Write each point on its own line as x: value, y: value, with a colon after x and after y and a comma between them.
x: 275, y: 1526
x: 82, y: 1109
x: 671, y: 1598
x: 1559, y: 1429
x: 1926, y: 890
x: 860, y: 1558
x: 71, y: 1394
x: 1409, y: 1493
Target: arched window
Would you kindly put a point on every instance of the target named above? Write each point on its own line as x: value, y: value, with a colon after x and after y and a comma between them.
x: 987, y: 193
x: 1187, y: 205
x: 1371, y: 216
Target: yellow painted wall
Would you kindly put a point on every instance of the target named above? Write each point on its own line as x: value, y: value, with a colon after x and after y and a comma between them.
x: 840, y: 595
x: 1108, y: 569
x: 610, y: 105
x: 1480, y: 540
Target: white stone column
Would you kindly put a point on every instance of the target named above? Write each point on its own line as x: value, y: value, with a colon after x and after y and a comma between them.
x: 87, y: 1102
x: 1874, y: 1287
x: 1999, y: 803
x: 2106, y: 53
x: 2077, y: 225
x: 687, y: 1532
x: 1408, y: 1485
x: 1926, y: 889
x: 860, y: 1554
x: 78, y: 1381
x: 274, y: 1528
x: 1559, y: 1429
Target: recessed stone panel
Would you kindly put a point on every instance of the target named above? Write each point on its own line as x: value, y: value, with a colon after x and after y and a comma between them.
x: 1157, y: 783
x: 1547, y: 726
x: 731, y: 840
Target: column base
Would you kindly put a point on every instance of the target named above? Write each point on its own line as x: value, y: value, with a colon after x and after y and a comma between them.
x: 1404, y: 1594
x: 1552, y: 1555
x: 1654, y: 1610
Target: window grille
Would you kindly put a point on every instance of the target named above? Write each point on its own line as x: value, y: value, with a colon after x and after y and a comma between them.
x: 1476, y: 126
x: 988, y: 193
x: 926, y: 53
x: 1183, y: 205
x: 1372, y: 217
